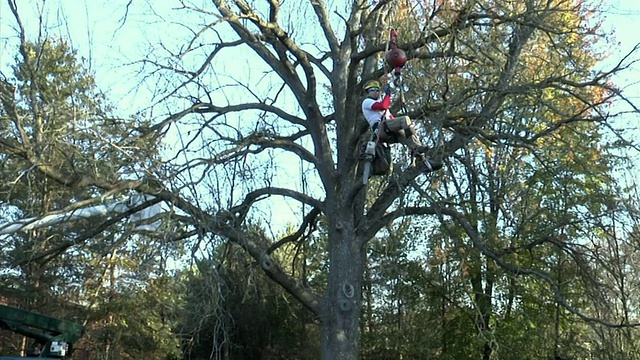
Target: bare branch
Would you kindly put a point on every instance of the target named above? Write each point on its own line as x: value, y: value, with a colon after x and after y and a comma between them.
x: 308, y: 225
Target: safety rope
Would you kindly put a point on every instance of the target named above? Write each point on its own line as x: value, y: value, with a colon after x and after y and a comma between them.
x: 437, y: 122
x: 394, y: 76
x: 437, y: 133
x: 394, y: 72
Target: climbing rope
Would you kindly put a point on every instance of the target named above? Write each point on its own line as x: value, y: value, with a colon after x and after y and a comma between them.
x: 395, y: 59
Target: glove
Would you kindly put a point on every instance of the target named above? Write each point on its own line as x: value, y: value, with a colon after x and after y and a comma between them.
x: 387, y: 89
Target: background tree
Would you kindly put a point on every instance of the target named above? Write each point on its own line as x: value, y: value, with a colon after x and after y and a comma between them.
x: 62, y: 150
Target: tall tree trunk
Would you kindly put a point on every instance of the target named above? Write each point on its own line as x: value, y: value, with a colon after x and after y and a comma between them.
x: 343, y: 300
x: 483, y: 299
x: 443, y: 308
x: 367, y: 324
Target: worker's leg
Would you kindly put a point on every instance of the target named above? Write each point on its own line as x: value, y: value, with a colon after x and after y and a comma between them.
x: 405, y: 133
x: 403, y: 127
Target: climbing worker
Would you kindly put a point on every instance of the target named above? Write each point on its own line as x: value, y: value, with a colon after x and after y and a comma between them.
x: 391, y: 129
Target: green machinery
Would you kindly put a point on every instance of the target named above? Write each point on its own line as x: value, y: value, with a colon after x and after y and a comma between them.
x: 54, y: 338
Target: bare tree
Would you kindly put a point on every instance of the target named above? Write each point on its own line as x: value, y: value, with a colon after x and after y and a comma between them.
x: 299, y: 99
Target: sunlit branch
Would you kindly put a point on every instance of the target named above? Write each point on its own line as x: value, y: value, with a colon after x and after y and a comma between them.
x: 276, y: 36
x: 320, y: 9
x: 240, y: 211
x: 309, y: 224
x: 376, y: 217
x: 204, y: 108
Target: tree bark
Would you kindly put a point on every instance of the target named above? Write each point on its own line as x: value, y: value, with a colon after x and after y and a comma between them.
x: 341, y: 312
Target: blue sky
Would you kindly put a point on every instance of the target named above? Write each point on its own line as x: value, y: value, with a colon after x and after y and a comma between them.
x: 96, y: 29
x: 624, y: 20
x: 99, y: 31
